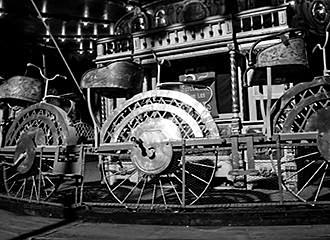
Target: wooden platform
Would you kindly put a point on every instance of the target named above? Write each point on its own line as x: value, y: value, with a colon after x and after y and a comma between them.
x: 19, y: 226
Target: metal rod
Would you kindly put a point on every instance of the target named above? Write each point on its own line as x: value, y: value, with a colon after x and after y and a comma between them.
x: 131, y: 191
x: 176, y: 192
x: 321, y: 182
x: 121, y: 183
x: 82, y: 159
x: 94, y: 119
x: 269, y: 102
x: 24, y: 185
x: 191, y: 191
x: 162, y: 190
x: 142, y: 189
x: 279, y: 176
x: 11, y: 186
x: 20, y: 189
x: 183, y: 173
x: 310, y: 179
x: 40, y: 173
x: 300, y: 170
x: 153, y: 196
x: 58, y: 49
x: 34, y: 189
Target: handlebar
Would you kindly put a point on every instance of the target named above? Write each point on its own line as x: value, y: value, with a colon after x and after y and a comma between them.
x: 42, y: 75
x: 45, y: 78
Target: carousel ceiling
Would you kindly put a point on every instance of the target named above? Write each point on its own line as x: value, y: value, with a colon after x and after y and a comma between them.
x: 75, y: 25
x: 66, y: 19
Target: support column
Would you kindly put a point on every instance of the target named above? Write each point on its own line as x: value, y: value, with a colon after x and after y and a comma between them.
x: 236, y: 121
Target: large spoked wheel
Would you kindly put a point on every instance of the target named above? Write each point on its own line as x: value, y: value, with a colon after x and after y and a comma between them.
x: 152, y: 172
x: 305, y: 169
x: 29, y: 175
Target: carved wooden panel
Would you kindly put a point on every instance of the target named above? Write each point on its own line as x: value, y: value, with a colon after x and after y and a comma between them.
x: 166, y: 13
x: 194, y: 11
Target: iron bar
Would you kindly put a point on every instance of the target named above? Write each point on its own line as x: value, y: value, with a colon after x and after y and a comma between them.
x: 321, y: 182
x: 40, y: 173
x: 310, y: 179
x: 183, y: 159
x: 279, y: 172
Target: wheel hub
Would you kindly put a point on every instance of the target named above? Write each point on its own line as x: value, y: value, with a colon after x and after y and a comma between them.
x: 319, y: 121
x: 25, y: 153
x: 152, y: 152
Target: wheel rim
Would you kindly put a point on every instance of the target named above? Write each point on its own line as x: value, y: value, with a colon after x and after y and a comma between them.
x: 147, y: 118
x: 304, y: 168
x: 40, y: 124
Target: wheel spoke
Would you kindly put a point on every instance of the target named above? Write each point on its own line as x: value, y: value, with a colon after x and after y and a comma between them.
x: 305, y: 156
x: 19, y: 190
x: 200, y: 179
x: 321, y: 182
x: 174, y: 188
x: 12, y: 186
x: 162, y: 191
x: 200, y: 164
x: 310, y: 179
x: 14, y: 175
x: 122, y: 182
x: 34, y: 188
x: 153, y: 195
x: 23, y: 191
x: 131, y: 191
x: 191, y: 191
x: 48, y: 192
x: 49, y: 180
x: 300, y: 170
x: 142, y: 189
x: 295, y: 194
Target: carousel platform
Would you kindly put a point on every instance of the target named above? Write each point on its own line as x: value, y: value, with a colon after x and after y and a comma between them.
x: 19, y: 226
x: 243, y: 214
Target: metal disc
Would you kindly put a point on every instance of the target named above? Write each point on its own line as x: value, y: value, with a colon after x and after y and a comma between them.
x: 153, y: 153
x: 319, y: 121
x: 25, y: 153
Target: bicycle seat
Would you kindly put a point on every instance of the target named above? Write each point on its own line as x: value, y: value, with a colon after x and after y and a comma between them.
x: 284, y: 53
x: 21, y: 89
x: 114, y: 80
